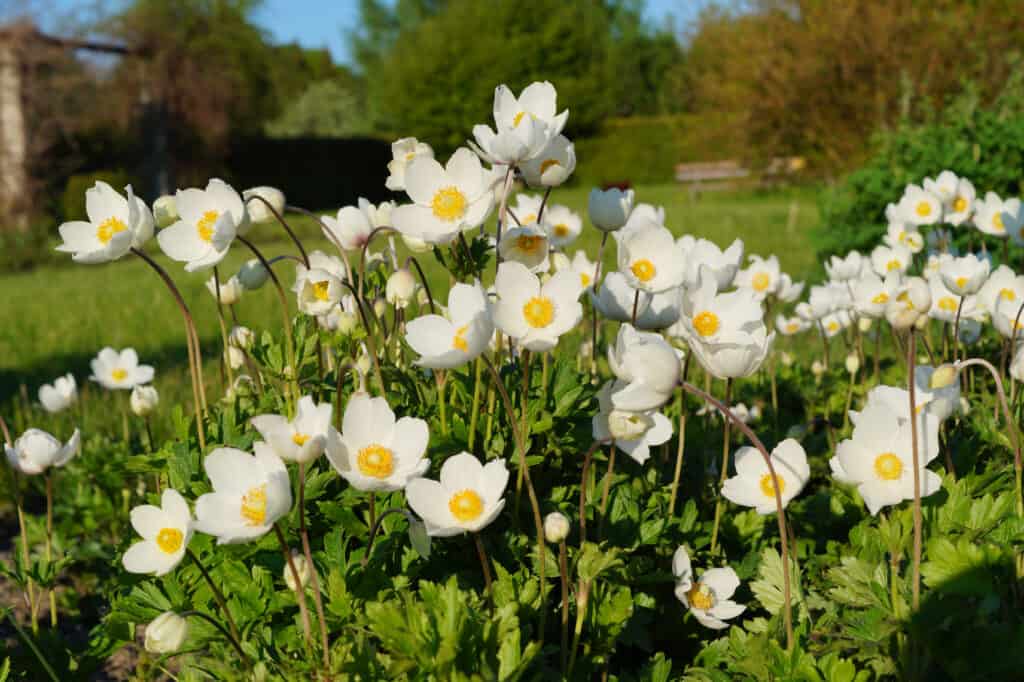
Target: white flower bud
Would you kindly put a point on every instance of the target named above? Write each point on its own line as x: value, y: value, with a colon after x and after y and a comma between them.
x: 1017, y: 366
x: 787, y: 358
x: 347, y: 323
x: 230, y: 290
x: 556, y: 527
x: 415, y: 244
x: 363, y: 364
x: 609, y: 210
x: 235, y: 356
x: 852, y: 363
x: 252, y: 275
x: 380, y: 307
x: 241, y: 337
x: 165, y: 211
x: 625, y: 425
x: 166, y: 633
x: 864, y: 324
x: 258, y: 211
x: 817, y: 369
x: 143, y: 400
x: 911, y: 303
x: 301, y: 567
x: 401, y: 288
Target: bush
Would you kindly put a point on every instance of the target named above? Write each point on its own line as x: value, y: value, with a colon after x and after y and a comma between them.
x: 72, y: 201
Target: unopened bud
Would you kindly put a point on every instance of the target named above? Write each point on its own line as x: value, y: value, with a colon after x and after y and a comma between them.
x: 380, y: 307
x: 852, y: 363
x: 787, y: 358
x: 864, y: 324
x: 143, y: 400
x: 258, y: 211
x: 301, y: 567
x: 252, y: 275
x: 165, y: 211
x: 241, y: 337
x: 817, y: 369
x: 556, y: 527
x: 166, y: 633
x: 401, y: 288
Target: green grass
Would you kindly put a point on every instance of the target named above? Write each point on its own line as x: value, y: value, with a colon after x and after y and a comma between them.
x: 55, y: 319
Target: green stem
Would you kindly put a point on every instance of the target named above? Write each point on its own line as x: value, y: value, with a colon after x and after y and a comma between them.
x: 49, y: 545
x: 213, y: 621
x: 442, y: 404
x: 314, y: 580
x: 609, y: 474
x: 300, y: 592
x: 217, y: 594
x: 475, y: 411
x: 725, y: 465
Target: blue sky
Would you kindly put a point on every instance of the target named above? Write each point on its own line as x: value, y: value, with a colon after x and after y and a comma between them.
x: 312, y: 23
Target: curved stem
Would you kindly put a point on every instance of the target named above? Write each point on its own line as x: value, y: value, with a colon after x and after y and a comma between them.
x: 371, y: 340
x: 502, y: 211
x: 956, y: 330
x: 227, y: 635
x: 423, y: 281
x: 681, y: 448
x: 482, y: 553
x: 328, y: 232
x: 217, y: 594
x: 318, y: 601
x: 583, y: 484
x: 377, y: 526
x: 543, y: 205
x: 362, y: 254
x: 300, y: 592
x: 223, y: 328
x: 280, y: 219
x: 474, y: 414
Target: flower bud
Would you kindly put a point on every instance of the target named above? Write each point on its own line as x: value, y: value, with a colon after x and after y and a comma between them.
x: 625, y: 425
x: 143, y: 400
x: 347, y: 322
x: 401, y: 288
x: 166, y: 633
x: 252, y: 275
x: 852, y: 363
x: 240, y: 337
x: 380, y: 307
x: 422, y: 299
x: 787, y: 358
x: 911, y: 302
x: 363, y: 364
x: 165, y: 211
x: 556, y: 527
x: 236, y: 358
x: 230, y: 291
x: 609, y: 209
x: 415, y: 244
x: 258, y: 211
x: 817, y: 369
x: 943, y: 376
x: 301, y: 567
x: 864, y: 324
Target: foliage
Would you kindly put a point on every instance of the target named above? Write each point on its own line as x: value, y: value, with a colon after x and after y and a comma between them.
x: 325, y: 109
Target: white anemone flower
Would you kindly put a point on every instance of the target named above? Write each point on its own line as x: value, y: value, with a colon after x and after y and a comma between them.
x: 250, y: 493
x: 256, y: 200
x: 790, y: 326
x: 633, y: 432
x: 615, y: 299
x: 331, y: 264
x: 60, y: 395
x: 1008, y: 319
x: 457, y: 337
x: 710, y: 598
x: 1003, y: 283
x: 650, y: 260
x: 404, y: 151
x: 944, y: 186
x: 166, y: 531
x: 946, y: 304
x: 906, y: 235
x: 609, y: 209
x: 527, y: 208
x: 468, y: 496
x: 740, y: 356
x: 354, y: 224
x: 871, y: 293
x: 960, y: 206
x: 912, y: 301
x: 116, y: 224
x: 647, y: 365
x: 446, y: 200
x: 711, y: 317
x: 533, y: 314
x: 988, y: 214
x: 886, y: 259
x: 230, y: 290
x: 210, y: 220
x: 35, y: 451
x: 376, y: 452
x: 753, y: 486
x: 663, y: 312
x: 762, y: 276
x: 302, y: 439
x: 835, y: 322
x: 527, y: 245
x: 585, y: 268
x: 524, y: 126
x: 845, y: 268
x: 789, y: 291
x: 965, y: 275
x: 318, y: 290
x: 553, y: 165
x: 940, y: 386
x: 143, y: 400
x: 563, y: 225
x: 878, y: 458
x: 919, y: 206
x: 723, y: 264
x: 115, y: 370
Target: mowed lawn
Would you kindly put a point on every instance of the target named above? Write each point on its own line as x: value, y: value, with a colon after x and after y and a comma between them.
x: 55, y: 319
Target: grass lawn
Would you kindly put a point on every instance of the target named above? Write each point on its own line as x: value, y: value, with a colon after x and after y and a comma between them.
x: 55, y: 319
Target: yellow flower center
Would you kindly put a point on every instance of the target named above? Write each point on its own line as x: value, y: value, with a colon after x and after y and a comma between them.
x: 832, y: 326
x: 961, y: 282
x: 119, y: 374
x: 529, y: 243
x: 459, y: 340
x: 517, y: 119
x: 959, y: 205
x: 300, y: 439
x: 449, y: 204
x: 466, y: 505
x: 1008, y: 294
x: 706, y: 323
x: 410, y: 156
x: 880, y: 298
x: 948, y: 303
x: 793, y: 327
x: 548, y: 163
x: 584, y: 279
x: 254, y: 506
x: 206, y: 224
x: 701, y: 597
x: 894, y: 264
x: 539, y: 312
x: 529, y: 218
x: 888, y: 466
x: 924, y: 209
x: 375, y: 461
x: 643, y: 270
x: 761, y: 281
x: 997, y: 223
x: 561, y: 230
x: 768, y: 487
x: 904, y: 298
x: 169, y: 540
x: 321, y: 290
x: 108, y: 228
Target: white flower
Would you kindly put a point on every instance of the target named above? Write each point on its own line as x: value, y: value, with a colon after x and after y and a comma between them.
x: 400, y: 288
x: 878, y: 458
x: 788, y: 326
x: 165, y: 530
x: 615, y: 299
x: 553, y: 165
x: 752, y: 486
x: 762, y: 276
x: 913, y: 299
x: 965, y: 275
x: 737, y: 358
x: 115, y: 225
x: 1004, y: 283
x: 723, y: 265
x: 467, y: 498
x: 235, y: 357
x: 960, y: 205
x: 524, y: 126
x: 403, y: 151
x: 886, y: 259
x: 789, y: 290
x: 446, y: 200
x: 257, y: 209
x: 585, y: 268
x: 871, y: 294
x: 527, y: 208
x: 250, y: 493
x: 302, y: 439
x: 59, y: 395
x: 210, y: 220
x: 562, y: 225
x: 241, y: 337
x: 536, y: 315
x: 944, y: 185
x: 647, y: 366
x: 354, y: 224
x: 989, y: 212
x: 252, y: 275
x: 709, y: 599
x: 458, y: 337
x: 143, y: 400
x: 556, y: 527
x: 166, y: 633
x: 650, y: 260
x: 946, y: 304
x: 843, y: 269
x: 905, y: 235
x: 528, y: 245
x: 609, y: 209
x: 113, y: 370
x: 1006, y: 318
x: 711, y: 317
x: 939, y: 387
x: 318, y: 290
x: 663, y: 312
x: 230, y: 291
x: 35, y: 451
x: 633, y: 432
x: 165, y: 211
x: 375, y: 452
x: 920, y: 207
x: 834, y: 323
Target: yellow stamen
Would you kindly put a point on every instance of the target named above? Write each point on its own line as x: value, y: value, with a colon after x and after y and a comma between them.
x: 768, y: 487
x: 459, y: 341
x: 643, y: 270
x: 961, y: 282
x: 561, y: 230
x: 833, y: 326
x: 793, y: 327
x: 548, y: 163
x: 924, y: 209
x: 888, y: 466
x: 517, y: 119
x: 300, y: 439
x: 706, y: 323
x: 1008, y: 294
x: 948, y: 303
x: 701, y: 597
x: 119, y: 374
x: 959, y: 205
x: 466, y: 505
x: 375, y: 461
x: 206, y: 224
x: 321, y: 290
x: 894, y: 264
x: 529, y: 243
x: 761, y: 281
x: 254, y: 506
x: 529, y: 218
x: 169, y: 540
x: 997, y: 223
x: 584, y: 279
x: 449, y: 204
x: 539, y: 312
x: 880, y: 298
x: 108, y: 228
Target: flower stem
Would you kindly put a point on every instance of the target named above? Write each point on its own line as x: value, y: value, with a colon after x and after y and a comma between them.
x: 318, y: 601
x: 300, y: 594
x: 49, y: 545
x: 582, y: 597
x: 725, y: 466
x: 442, y: 404
x: 280, y: 219
x: 225, y: 361
x: 474, y: 414
x: 16, y: 491
x: 681, y: 447
x: 587, y: 458
x: 563, y: 566
x: 217, y: 594
x: 609, y: 474
x: 911, y: 359
x: 482, y: 553
x: 213, y: 621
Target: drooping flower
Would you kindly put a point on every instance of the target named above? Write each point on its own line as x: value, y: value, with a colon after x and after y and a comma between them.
x: 633, y: 432
x: 252, y: 275
x: 609, y: 209
x: 528, y: 245
x: 250, y: 493
x: 400, y: 288
x: 256, y: 200
x: 376, y: 452
x: 403, y: 151
x: 115, y: 370
x: 318, y: 290
x: 166, y: 633
x: 649, y: 259
x: 115, y: 224
x: 35, y: 451
x: 468, y: 496
x: 459, y: 336
x: 524, y: 126
x: 710, y: 598
x: 753, y: 486
x: 533, y: 314
x: 60, y: 395
x: 302, y: 439
x: 210, y: 220
x: 647, y: 366
x: 553, y: 165
x: 166, y: 531
x: 230, y: 290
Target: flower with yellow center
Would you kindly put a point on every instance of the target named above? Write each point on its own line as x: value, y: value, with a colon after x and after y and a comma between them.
x: 468, y: 496
x: 533, y: 314
x: 709, y: 599
x: 525, y: 127
x: 919, y: 206
x: 254, y: 505
x: 527, y: 245
x: 466, y: 506
x: 650, y: 259
x: 960, y: 204
x: 403, y: 151
x: 375, y: 461
x: 888, y: 466
x: 643, y: 270
x: 459, y: 339
x: 317, y: 290
x: 459, y: 336
x: 948, y: 303
x: 752, y: 486
x: 206, y: 224
x: 115, y: 224
x: 301, y: 439
x: 165, y: 530
x: 108, y: 228
x: 539, y: 312
x: 552, y: 166
x: 120, y: 370
x: 208, y: 221
x: 706, y: 323
x: 880, y: 298
x: 449, y: 204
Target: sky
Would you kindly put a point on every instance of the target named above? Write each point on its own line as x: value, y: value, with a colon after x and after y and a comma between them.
x: 311, y: 23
